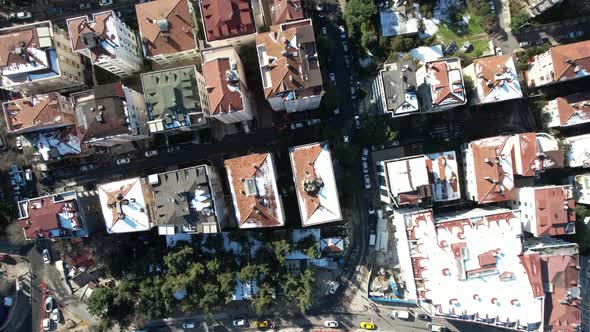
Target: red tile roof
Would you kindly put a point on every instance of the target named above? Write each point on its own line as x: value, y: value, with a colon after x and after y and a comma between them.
x: 442, y: 87
x: 223, y: 87
x: 567, y: 58
x: 489, y: 174
x: 493, y: 72
x: 43, y: 217
x: 173, y: 14
x: 38, y: 112
x: 12, y: 39
x: 577, y: 105
x: 554, y: 210
x: 286, y: 10
x: 224, y: 19
x: 562, y: 312
x: 80, y: 27
x: 250, y: 208
x: 532, y: 266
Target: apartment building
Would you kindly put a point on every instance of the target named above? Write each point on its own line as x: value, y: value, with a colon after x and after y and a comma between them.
x: 568, y: 111
x: 577, y: 151
x: 227, y: 22
x: 315, y: 184
x: 37, y: 58
x: 289, y: 66
x: 52, y: 216
x: 560, y: 63
x: 255, y: 195
x: 581, y: 183
x: 495, y: 79
x: 175, y: 100
x: 275, y: 12
x: 228, y: 95
x: 398, y: 88
x: 441, y: 85
x: 546, y: 210
x: 168, y: 31
x: 107, y: 41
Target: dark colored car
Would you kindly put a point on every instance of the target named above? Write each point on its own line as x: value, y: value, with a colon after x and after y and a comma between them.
x: 423, y: 317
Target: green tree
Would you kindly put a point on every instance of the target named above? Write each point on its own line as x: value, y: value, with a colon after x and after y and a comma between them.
x: 113, y: 304
x: 152, y: 302
x: 281, y: 248
x: 369, y: 37
x: 375, y: 130
x: 519, y: 20
x: 7, y: 213
x: 309, y: 246
x: 227, y: 285
x: 358, y: 12
x: 264, y: 298
x: 248, y: 272
x: 178, y: 261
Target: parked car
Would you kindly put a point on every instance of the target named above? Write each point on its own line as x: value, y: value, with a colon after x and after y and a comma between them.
x: 151, y: 153
x: 105, y: 2
x: 312, y: 122
x: 46, y: 324
x: 85, y: 5
x: 173, y: 148
x: 332, y: 77
x: 423, y: 317
x: 20, y: 15
x: 19, y: 142
x: 352, y: 93
x: 371, y: 210
x: 188, y: 325
x: 499, y: 51
x: 524, y: 44
x: 345, y: 139
x: 331, y: 323
x: 400, y: 314
x: 367, y: 181
x: 56, y: 315
x: 87, y: 167
x: 240, y: 322
x: 296, y: 125
x: 336, y: 111
x: 324, y: 31
x: 365, y: 167
x: 451, y: 48
x: 49, y: 304
x: 123, y: 161
x: 261, y: 324
x: 435, y: 327
x: 46, y: 256
x: 342, y: 32
x: 345, y: 46
x: 334, y: 285
x: 347, y: 61
x: 466, y: 47
x: 365, y: 154
x: 367, y: 325
x: 357, y: 122
x: 28, y: 174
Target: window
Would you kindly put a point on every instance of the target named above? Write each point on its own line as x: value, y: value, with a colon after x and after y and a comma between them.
x: 382, y: 180
x: 384, y: 192
x: 380, y: 168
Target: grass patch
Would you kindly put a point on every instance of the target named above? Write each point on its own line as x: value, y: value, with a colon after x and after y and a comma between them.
x: 480, y: 46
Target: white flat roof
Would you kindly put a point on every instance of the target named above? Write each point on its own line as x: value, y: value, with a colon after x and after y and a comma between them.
x: 123, y: 206
x: 578, y: 154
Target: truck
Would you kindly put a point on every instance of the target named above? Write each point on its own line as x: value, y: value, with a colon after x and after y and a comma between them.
x: 372, y: 240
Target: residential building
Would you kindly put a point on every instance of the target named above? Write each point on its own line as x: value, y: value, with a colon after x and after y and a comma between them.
x: 255, y: 195
x: 558, y: 64
x: 110, y: 115
x: 188, y: 200
x: 441, y: 85
x: 227, y: 22
x: 396, y: 22
x: 39, y: 112
x: 289, y: 66
x: 560, y: 272
x: 582, y: 188
x: 315, y: 184
x: 577, y: 151
x: 127, y: 205
x: 470, y: 266
x: 495, y: 78
x: 585, y: 287
x: 419, y: 180
x: 37, y: 58
x: 225, y: 83
x: 275, y: 12
x: 397, y: 86
x: 491, y: 164
x: 537, y: 7
x: 547, y: 210
x: 173, y: 99
x: 424, y: 54
x: 568, y: 111
x: 52, y: 216
x: 168, y: 30
x: 107, y: 41
x: 46, y: 122
x: 333, y: 246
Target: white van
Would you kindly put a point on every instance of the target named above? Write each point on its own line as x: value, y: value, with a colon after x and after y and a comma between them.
x: 400, y: 314
x: 436, y: 327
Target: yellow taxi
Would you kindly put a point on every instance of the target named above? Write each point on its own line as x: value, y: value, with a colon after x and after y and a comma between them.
x: 367, y: 326
x: 261, y: 324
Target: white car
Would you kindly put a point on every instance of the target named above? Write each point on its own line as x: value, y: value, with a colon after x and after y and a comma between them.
x: 46, y: 256
x: 367, y: 181
x: 46, y: 324
x: 365, y: 167
x: 324, y: 31
x: 20, y: 15
x: 188, y: 325
x: 331, y: 323
x: 336, y: 111
x: 312, y: 122
x: 371, y: 210
x: 334, y: 285
x: 55, y: 315
x: 296, y: 125
x: 342, y: 32
x: 19, y: 142
x: 345, y: 139
x: 332, y: 78
x: 365, y: 154
x: 357, y: 122
x: 241, y: 322
x: 105, y: 2
x: 498, y: 51
x: 123, y: 161
x: 49, y: 304
x: 87, y: 167
x: 151, y: 153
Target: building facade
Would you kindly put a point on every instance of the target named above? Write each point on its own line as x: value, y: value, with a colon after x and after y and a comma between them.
x: 558, y: 64
x: 107, y: 41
